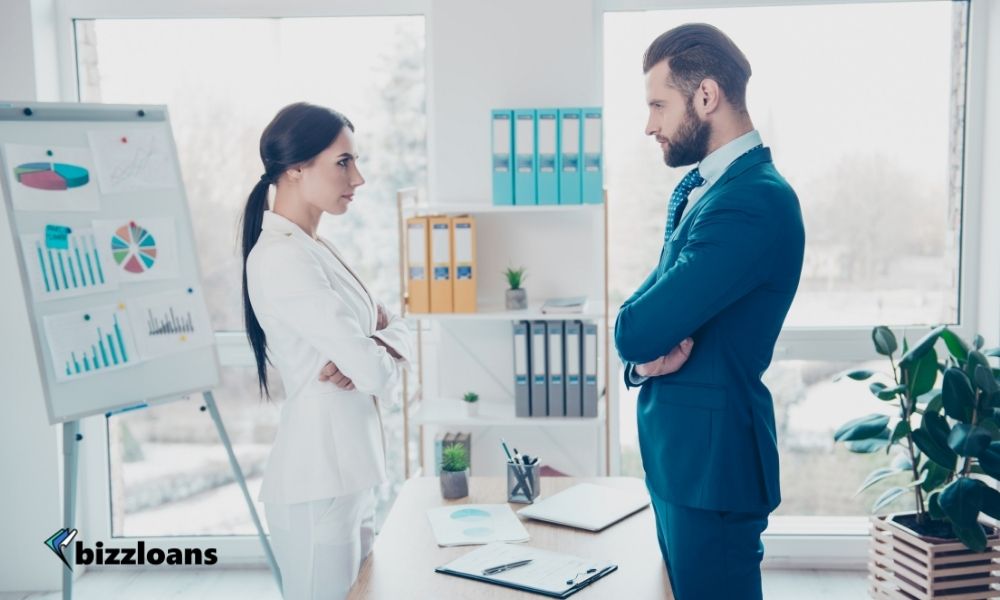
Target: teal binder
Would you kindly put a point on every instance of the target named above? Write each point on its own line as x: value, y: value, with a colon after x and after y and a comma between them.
x: 526, y: 159
x: 503, y: 148
x: 593, y: 157
x: 568, y: 163
x: 548, y: 144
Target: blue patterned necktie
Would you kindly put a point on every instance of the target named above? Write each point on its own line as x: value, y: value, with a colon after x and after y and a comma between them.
x: 679, y: 199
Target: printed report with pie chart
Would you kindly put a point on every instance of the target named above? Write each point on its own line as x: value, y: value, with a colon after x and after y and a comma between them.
x: 471, y: 524
x: 139, y: 249
x: 51, y: 178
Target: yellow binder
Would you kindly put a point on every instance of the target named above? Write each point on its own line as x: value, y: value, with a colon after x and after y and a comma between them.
x: 463, y: 263
x: 418, y: 283
x: 441, y: 277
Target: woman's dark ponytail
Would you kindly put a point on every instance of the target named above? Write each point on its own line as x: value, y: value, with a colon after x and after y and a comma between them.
x: 253, y: 217
x: 294, y: 137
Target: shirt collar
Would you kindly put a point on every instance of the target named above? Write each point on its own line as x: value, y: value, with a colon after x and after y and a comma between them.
x: 274, y: 222
x: 715, y: 164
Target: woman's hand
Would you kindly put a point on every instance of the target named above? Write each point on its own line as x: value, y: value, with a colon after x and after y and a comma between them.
x: 670, y: 363
x: 330, y: 372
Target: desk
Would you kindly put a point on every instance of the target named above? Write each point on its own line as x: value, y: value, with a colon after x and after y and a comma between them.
x: 402, y: 563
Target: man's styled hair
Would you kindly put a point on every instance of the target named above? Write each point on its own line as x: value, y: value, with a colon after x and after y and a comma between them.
x: 698, y: 51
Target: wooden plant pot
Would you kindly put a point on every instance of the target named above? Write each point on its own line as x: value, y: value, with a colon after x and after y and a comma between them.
x: 907, y: 566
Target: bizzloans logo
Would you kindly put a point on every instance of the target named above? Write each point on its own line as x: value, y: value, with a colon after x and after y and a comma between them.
x: 99, y: 555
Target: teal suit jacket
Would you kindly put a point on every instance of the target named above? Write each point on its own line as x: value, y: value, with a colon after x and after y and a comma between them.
x: 726, y: 277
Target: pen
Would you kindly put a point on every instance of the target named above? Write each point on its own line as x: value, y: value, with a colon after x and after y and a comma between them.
x: 506, y: 567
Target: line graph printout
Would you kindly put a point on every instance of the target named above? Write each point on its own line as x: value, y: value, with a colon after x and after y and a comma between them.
x: 133, y: 160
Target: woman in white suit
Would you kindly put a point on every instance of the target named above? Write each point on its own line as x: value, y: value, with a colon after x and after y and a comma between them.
x: 336, y: 348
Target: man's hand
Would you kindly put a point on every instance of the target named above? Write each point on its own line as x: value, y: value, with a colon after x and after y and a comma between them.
x: 383, y: 317
x: 330, y: 372
x: 667, y: 364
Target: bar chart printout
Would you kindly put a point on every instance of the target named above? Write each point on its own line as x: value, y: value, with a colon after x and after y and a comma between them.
x: 91, y: 341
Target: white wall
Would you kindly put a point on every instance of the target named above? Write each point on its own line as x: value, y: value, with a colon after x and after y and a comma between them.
x: 484, y: 55
x: 30, y: 459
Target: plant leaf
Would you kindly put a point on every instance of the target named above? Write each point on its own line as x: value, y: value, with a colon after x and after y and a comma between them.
x: 923, y: 374
x: 887, y: 498
x: 985, y: 381
x: 901, y: 462
x: 901, y: 430
x: 976, y: 359
x: 876, y: 476
x: 962, y: 500
x: 862, y: 428
x: 989, y: 460
x: 992, y: 352
x: 934, y: 506
x: 884, y: 339
x: 968, y: 440
x: 879, y: 442
x: 956, y: 345
x: 856, y: 375
x: 957, y: 395
x: 943, y: 456
x: 935, y: 476
x: 991, y: 502
x: 921, y: 348
x: 978, y: 342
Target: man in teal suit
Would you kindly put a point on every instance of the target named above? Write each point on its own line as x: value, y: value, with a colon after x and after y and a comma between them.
x: 700, y: 331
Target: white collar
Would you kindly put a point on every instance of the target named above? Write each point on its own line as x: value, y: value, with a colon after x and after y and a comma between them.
x: 715, y: 164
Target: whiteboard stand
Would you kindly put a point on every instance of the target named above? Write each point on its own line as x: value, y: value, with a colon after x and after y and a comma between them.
x: 71, y: 459
x: 238, y: 472
x: 71, y: 455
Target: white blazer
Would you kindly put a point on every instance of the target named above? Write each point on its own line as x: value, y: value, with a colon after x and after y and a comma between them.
x: 314, y: 309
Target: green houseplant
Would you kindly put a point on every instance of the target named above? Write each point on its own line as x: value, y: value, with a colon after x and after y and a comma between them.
x: 471, y: 403
x: 454, y: 472
x: 517, y: 297
x: 948, y: 446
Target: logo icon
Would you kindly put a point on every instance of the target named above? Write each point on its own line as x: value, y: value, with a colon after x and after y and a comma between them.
x: 58, y: 541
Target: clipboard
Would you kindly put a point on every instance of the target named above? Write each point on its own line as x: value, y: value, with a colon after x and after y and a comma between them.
x: 549, y: 575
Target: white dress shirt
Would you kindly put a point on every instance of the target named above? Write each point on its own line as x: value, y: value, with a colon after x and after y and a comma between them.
x: 314, y: 309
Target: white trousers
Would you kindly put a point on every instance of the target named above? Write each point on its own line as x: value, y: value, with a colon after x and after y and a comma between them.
x: 320, y: 545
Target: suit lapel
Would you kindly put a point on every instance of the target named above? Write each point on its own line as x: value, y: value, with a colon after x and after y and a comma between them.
x: 353, y: 281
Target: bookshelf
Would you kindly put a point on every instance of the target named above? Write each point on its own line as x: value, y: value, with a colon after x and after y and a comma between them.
x: 565, y: 251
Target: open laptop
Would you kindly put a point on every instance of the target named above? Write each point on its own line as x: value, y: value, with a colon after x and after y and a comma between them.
x: 587, y: 506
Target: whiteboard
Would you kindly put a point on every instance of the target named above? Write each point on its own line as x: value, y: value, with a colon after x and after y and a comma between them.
x: 105, y: 247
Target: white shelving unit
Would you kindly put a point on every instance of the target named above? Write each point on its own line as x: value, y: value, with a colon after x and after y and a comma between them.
x: 487, y: 343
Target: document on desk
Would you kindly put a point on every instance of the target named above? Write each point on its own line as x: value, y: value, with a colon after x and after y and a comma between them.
x: 549, y: 573
x: 471, y: 524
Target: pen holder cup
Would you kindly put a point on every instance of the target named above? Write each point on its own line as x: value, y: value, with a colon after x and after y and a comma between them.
x: 522, y: 483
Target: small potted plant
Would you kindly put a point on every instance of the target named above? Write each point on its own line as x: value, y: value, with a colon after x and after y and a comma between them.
x: 454, y: 472
x: 948, y: 441
x: 517, y: 297
x: 472, y: 403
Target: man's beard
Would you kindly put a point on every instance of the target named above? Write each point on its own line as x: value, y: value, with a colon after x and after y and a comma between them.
x: 690, y: 144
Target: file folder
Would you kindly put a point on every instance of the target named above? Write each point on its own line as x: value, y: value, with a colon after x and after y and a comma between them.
x: 574, y: 382
x: 503, y: 147
x: 557, y: 385
x: 463, y: 264
x: 589, y: 369
x: 526, y: 160
x: 539, y: 378
x: 418, y: 269
x: 441, y: 277
x: 522, y: 385
x: 548, y: 142
x: 570, y: 180
x: 593, y: 157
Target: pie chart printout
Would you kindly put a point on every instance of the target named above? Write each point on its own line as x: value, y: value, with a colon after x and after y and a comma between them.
x: 51, y: 176
x: 133, y: 248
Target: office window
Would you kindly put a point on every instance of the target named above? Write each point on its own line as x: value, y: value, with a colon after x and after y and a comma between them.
x: 863, y: 106
x: 223, y: 80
